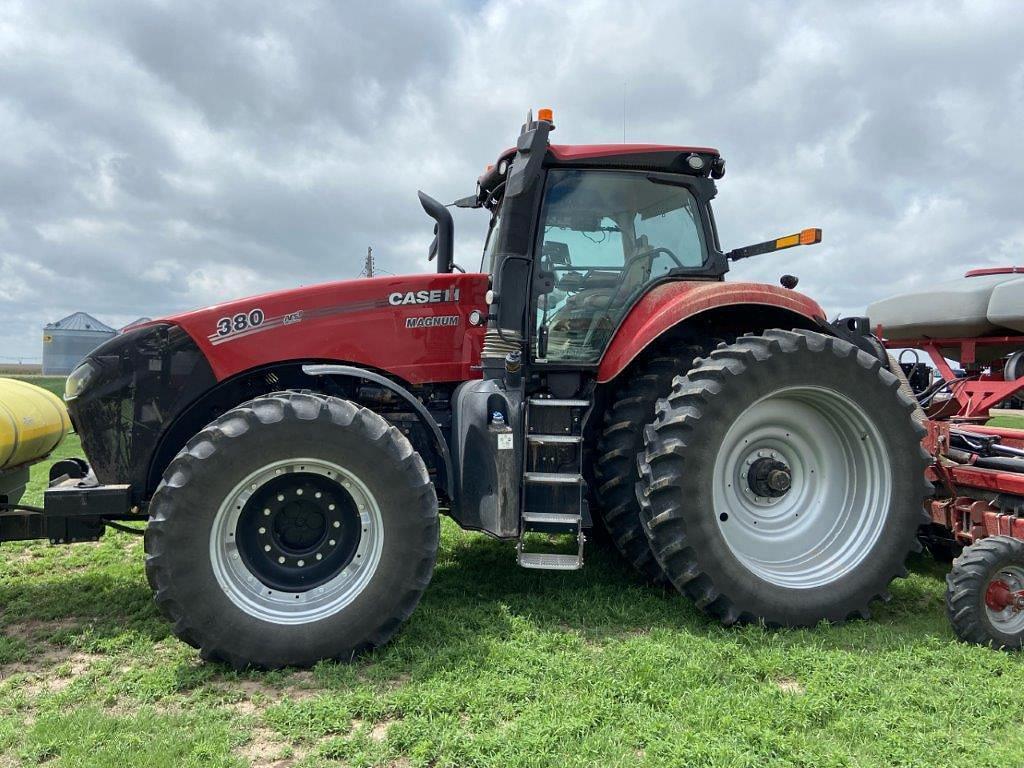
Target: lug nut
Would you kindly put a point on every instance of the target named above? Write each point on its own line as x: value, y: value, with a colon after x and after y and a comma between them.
x: 298, y: 492
x: 262, y: 531
x: 301, y: 563
x: 280, y: 560
x: 319, y: 556
x: 280, y: 497
x: 337, y: 524
x: 266, y: 548
x: 331, y: 542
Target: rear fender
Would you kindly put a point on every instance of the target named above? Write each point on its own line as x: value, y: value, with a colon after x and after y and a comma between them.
x: 742, y: 306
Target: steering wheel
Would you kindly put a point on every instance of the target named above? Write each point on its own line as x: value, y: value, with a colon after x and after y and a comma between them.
x: 652, y: 252
x: 648, y: 254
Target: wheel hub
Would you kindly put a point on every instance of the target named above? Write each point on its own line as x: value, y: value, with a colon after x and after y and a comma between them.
x: 298, y: 531
x: 765, y: 475
x: 298, y: 527
x: 1001, y: 596
x: 769, y: 477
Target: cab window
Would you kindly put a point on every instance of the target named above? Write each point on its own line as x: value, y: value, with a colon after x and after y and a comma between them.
x: 606, y: 236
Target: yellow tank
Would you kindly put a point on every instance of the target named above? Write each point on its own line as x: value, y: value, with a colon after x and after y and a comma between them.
x: 33, y: 421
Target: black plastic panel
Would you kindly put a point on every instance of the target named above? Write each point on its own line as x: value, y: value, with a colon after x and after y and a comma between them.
x: 146, y: 378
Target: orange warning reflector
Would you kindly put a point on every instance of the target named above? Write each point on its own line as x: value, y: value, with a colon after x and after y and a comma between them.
x: 806, y: 237
x: 546, y: 114
x: 810, y: 236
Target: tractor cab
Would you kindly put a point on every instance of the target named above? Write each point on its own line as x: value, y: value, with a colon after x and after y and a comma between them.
x: 613, y: 222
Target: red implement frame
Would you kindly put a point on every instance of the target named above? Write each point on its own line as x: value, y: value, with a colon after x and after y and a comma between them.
x: 977, y: 392
x: 965, y: 498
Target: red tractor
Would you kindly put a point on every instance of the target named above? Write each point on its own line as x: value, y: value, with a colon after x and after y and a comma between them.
x: 291, y: 452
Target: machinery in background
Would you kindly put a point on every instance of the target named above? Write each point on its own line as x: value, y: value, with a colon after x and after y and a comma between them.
x: 977, y: 510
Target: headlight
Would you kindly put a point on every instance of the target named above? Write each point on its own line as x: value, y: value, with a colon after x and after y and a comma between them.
x: 79, y: 380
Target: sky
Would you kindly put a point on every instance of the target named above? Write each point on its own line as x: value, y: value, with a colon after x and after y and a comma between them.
x: 160, y: 156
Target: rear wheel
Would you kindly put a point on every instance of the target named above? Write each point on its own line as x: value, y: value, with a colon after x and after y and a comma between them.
x: 293, y: 528
x: 783, y: 480
x: 985, y: 593
x: 621, y: 441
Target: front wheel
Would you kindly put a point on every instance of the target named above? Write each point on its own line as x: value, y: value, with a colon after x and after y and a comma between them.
x: 783, y: 480
x: 293, y: 528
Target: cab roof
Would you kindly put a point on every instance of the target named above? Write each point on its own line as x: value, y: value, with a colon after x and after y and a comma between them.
x: 663, y: 158
x: 569, y: 152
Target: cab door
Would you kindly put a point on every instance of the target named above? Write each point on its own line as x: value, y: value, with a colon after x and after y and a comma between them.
x: 605, y: 237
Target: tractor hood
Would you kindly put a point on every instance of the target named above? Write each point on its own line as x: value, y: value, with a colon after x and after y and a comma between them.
x: 419, y: 328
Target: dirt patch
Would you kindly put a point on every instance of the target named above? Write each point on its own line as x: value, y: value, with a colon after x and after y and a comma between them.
x: 790, y: 685
x: 43, y: 655
x: 263, y: 750
x: 379, y: 732
x: 253, y: 696
x: 36, y: 630
x: 45, y: 658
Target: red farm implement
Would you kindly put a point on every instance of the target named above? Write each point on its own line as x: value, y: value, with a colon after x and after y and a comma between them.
x: 977, y: 469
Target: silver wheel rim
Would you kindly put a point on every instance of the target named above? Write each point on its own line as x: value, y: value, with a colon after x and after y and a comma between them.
x: 840, y: 487
x: 1009, y: 620
x: 243, y: 585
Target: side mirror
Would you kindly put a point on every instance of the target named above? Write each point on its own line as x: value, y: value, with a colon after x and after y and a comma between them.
x: 444, y: 232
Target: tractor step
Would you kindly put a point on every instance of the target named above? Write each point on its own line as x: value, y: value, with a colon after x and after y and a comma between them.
x: 554, y: 478
x: 551, y: 518
x: 554, y: 439
x: 559, y: 403
x: 549, y: 562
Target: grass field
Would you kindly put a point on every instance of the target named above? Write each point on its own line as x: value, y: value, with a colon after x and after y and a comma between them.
x: 498, y: 667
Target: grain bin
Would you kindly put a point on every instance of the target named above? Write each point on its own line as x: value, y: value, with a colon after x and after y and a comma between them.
x: 67, y: 341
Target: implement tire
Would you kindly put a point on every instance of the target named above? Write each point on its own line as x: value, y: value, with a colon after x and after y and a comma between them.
x: 621, y: 441
x: 783, y: 480
x: 294, y: 528
x: 980, y: 590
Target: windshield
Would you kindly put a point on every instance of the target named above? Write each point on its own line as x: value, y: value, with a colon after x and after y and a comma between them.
x: 607, y: 236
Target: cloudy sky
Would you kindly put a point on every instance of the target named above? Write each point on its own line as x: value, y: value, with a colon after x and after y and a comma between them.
x: 157, y: 156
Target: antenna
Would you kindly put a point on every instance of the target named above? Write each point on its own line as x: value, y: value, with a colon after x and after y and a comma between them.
x: 368, y: 267
x: 623, y: 111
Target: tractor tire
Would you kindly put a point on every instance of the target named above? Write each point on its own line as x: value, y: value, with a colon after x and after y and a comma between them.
x: 294, y: 528
x: 980, y: 593
x: 783, y: 480
x: 621, y: 441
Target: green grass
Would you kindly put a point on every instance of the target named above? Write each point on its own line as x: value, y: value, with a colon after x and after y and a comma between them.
x: 1007, y: 422
x: 498, y: 667
x: 53, y: 383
